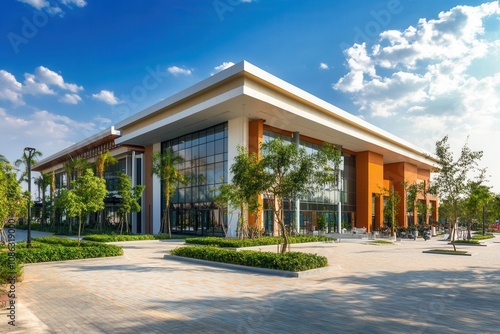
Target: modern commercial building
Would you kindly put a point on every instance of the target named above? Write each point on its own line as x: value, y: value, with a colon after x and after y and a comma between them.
x: 244, y: 105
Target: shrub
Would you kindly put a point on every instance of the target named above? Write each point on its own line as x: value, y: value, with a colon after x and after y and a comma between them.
x: 482, y: 237
x: 47, y: 249
x: 127, y: 237
x: 474, y: 242
x: 382, y: 242
x: 67, y: 253
x: 291, y: 261
x: 237, y: 243
x: 9, y: 268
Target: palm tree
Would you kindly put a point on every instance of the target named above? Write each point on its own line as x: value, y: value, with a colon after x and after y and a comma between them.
x: 102, y: 161
x: 24, y: 161
x: 43, y: 182
x: 53, y: 198
x: 74, y: 168
x: 164, y: 167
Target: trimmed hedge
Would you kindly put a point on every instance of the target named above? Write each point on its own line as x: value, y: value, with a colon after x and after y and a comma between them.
x: 291, y: 261
x: 382, y: 242
x: 47, y: 249
x: 482, y: 237
x: 128, y: 237
x: 474, y: 242
x: 263, y: 241
x: 58, y: 249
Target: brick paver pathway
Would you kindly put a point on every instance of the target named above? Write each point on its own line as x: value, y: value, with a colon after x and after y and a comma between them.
x: 379, y: 289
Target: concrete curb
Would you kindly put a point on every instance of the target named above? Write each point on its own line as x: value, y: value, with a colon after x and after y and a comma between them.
x: 447, y: 253
x: 461, y: 244
x: 262, y: 271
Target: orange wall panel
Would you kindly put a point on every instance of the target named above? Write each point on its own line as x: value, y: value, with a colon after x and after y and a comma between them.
x: 255, y: 137
x: 369, y: 181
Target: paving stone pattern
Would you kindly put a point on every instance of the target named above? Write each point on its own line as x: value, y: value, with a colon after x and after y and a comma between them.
x: 379, y: 289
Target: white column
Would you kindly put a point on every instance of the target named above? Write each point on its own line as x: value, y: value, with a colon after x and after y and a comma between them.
x: 156, y: 203
x: 296, y: 139
x: 133, y: 181
x: 340, y: 187
x: 339, y: 217
x: 143, y: 206
x: 237, y: 136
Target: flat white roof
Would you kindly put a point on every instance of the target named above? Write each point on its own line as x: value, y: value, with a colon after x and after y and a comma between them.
x: 354, y: 131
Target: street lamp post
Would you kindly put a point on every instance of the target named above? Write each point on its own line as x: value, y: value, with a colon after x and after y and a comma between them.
x: 30, y: 151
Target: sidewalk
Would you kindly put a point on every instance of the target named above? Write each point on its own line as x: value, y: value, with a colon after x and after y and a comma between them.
x: 379, y: 289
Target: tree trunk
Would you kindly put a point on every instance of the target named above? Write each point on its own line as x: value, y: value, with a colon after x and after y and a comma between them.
x: 221, y: 221
x: 285, y: 237
x: 452, y: 236
x: 79, y: 228
x: 281, y: 223
x: 169, y: 228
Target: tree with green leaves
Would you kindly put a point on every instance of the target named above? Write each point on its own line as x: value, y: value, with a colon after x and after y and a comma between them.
x: 242, y: 193
x: 129, y: 199
x: 289, y: 172
x: 88, y: 196
x: 453, y: 177
x: 413, y: 204
x: 495, y: 208
x: 164, y: 166
x: 478, y: 198
x: 391, y: 207
x: 12, y: 198
x: 73, y: 207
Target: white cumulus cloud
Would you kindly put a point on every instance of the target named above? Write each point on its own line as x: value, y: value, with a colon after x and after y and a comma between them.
x: 49, y: 77
x: 440, y: 76
x: 10, y: 88
x: 70, y: 98
x: 54, y: 9
x: 46, y: 131
x: 323, y: 66
x: 107, y: 97
x: 223, y: 66
x: 175, y: 70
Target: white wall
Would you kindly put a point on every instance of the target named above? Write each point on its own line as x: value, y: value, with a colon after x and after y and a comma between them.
x: 237, y: 135
x: 156, y: 202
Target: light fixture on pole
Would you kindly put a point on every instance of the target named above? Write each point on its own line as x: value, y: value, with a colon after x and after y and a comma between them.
x: 30, y: 151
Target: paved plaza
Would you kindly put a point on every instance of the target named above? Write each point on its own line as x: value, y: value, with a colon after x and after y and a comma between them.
x: 379, y: 289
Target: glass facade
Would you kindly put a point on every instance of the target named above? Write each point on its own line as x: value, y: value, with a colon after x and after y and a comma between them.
x: 205, y: 166
x: 323, y: 203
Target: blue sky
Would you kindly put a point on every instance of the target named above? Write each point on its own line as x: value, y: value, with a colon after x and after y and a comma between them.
x: 421, y: 69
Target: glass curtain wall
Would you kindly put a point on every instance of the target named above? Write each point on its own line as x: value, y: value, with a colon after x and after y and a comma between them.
x: 322, y: 203
x: 205, y: 166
